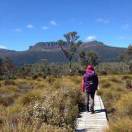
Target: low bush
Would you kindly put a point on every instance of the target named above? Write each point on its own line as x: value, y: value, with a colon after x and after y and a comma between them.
x: 128, y: 84
x: 50, y: 79
x: 6, y: 101
x: 35, y: 77
x: 9, y: 82
x: 125, y: 77
x: 30, y: 97
x: 60, y: 108
x: 53, y: 103
x: 115, y: 80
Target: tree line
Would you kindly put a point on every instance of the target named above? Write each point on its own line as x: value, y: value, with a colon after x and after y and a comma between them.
x: 9, y: 70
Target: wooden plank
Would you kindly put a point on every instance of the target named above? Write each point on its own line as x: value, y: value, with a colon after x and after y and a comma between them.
x: 96, y: 122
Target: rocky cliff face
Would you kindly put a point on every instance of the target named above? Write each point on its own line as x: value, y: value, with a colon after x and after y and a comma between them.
x: 52, y: 52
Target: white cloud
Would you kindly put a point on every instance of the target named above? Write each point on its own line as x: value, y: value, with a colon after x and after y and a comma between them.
x: 30, y: 26
x: 3, y: 47
x: 102, y: 20
x: 125, y: 27
x: 52, y: 22
x: 18, y: 30
x: 91, y: 38
x: 45, y: 27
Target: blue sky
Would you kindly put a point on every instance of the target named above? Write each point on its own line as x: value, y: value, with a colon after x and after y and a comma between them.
x: 25, y: 22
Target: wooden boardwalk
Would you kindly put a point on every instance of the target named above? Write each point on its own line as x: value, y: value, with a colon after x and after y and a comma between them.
x: 96, y: 122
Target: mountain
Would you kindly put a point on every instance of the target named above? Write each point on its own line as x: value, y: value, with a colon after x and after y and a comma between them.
x: 52, y: 52
x: 105, y: 52
x: 45, y: 46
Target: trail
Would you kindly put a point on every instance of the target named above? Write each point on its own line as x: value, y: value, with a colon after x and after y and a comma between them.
x: 96, y: 122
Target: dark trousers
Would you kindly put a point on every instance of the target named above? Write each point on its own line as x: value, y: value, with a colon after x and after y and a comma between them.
x: 90, y: 101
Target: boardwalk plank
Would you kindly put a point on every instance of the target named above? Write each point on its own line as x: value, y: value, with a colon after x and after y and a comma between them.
x: 96, y: 122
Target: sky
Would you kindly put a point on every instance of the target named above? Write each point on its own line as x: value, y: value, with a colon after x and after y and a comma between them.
x: 26, y: 22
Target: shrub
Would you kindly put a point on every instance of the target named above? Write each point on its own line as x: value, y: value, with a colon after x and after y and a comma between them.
x: 1, y: 121
x: 30, y: 97
x: 128, y: 84
x: 103, y: 72
x: 52, y: 103
x: 50, y: 79
x: 59, y: 108
x: 126, y: 77
x: 6, y: 100
x: 35, y: 77
x: 9, y: 82
x: 115, y: 80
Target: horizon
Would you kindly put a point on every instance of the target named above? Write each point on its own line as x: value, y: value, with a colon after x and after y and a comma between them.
x: 24, y: 23
x: 109, y: 45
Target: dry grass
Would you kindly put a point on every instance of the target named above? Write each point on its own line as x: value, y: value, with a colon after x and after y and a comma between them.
x: 124, y: 105
x: 23, y: 127
x: 123, y: 124
x: 117, y: 98
x: 52, y: 102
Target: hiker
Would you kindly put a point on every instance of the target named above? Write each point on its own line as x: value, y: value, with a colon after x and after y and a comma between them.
x: 89, y: 86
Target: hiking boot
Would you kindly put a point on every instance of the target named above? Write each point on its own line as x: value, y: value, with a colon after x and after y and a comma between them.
x: 87, y: 109
x: 92, y: 111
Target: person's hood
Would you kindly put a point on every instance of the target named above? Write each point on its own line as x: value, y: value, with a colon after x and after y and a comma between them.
x: 90, y: 69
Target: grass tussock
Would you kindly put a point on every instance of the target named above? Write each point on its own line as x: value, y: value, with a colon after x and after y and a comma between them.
x: 9, y: 82
x: 123, y: 124
x: 50, y: 104
x: 124, y: 105
x: 117, y: 96
x: 32, y: 127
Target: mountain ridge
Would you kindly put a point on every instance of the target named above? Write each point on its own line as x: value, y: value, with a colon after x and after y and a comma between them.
x: 52, y: 52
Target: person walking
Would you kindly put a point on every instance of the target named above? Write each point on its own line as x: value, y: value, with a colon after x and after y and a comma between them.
x: 89, y: 86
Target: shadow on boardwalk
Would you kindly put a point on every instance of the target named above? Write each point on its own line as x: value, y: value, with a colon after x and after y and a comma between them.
x: 96, y: 122
x: 102, y: 110
x: 83, y: 109
x: 82, y: 130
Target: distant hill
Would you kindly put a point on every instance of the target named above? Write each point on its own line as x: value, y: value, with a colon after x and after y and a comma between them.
x: 105, y: 52
x: 52, y: 52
